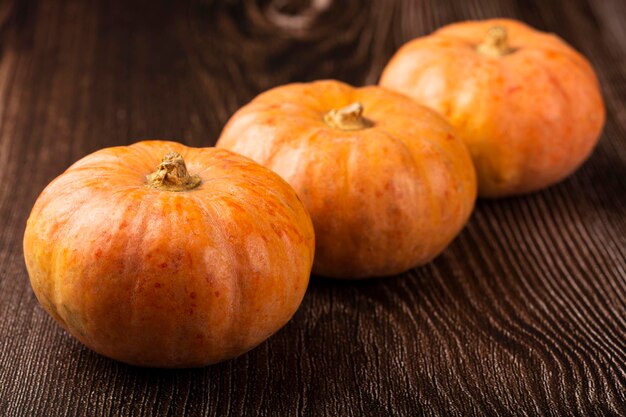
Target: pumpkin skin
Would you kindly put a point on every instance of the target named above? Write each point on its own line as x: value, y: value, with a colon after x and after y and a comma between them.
x: 384, y: 197
x: 527, y: 105
x: 163, y: 278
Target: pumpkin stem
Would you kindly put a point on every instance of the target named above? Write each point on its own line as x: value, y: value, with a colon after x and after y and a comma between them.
x: 496, y: 43
x: 347, y: 118
x: 172, y: 175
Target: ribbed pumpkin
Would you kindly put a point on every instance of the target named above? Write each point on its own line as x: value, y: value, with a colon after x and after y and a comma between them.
x: 527, y: 105
x: 193, y: 264
x: 387, y: 182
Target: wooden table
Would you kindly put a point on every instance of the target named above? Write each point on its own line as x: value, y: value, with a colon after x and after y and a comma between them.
x: 525, y: 314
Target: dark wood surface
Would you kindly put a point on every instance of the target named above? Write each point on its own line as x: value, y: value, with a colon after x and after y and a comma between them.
x: 525, y: 314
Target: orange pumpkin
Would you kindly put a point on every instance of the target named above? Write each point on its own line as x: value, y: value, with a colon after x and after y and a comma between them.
x: 386, y: 181
x: 527, y: 105
x: 173, y: 269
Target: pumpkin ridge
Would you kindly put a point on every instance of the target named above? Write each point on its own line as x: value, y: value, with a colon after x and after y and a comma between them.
x: 566, y: 109
x: 60, y: 236
x: 424, y: 177
x: 236, y: 301
x: 297, y: 142
x: 449, y: 158
x: 55, y: 294
x: 212, y: 217
x: 141, y: 222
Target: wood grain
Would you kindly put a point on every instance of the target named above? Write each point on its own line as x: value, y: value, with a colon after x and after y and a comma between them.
x: 524, y: 315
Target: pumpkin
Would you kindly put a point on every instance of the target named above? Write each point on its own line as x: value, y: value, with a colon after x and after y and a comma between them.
x: 181, y: 267
x: 527, y: 105
x: 387, y: 182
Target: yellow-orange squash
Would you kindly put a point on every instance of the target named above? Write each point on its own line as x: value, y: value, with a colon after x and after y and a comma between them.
x: 386, y: 181
x: 527, y: 105
x: 190, y: 265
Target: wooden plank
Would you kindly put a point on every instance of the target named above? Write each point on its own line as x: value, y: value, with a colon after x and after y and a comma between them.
x: 525, y: 314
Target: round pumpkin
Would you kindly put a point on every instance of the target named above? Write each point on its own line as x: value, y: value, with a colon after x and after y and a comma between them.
x: 527, y: 105
x: 387, y: 182
x: 155, y: 264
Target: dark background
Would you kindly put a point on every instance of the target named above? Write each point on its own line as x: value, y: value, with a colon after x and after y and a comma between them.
x: 525, y: 314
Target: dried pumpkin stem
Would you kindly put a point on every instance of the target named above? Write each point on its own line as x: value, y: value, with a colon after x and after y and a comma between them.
x: 496, y: 43
x: 172, y: 175
x: 347, y: 118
